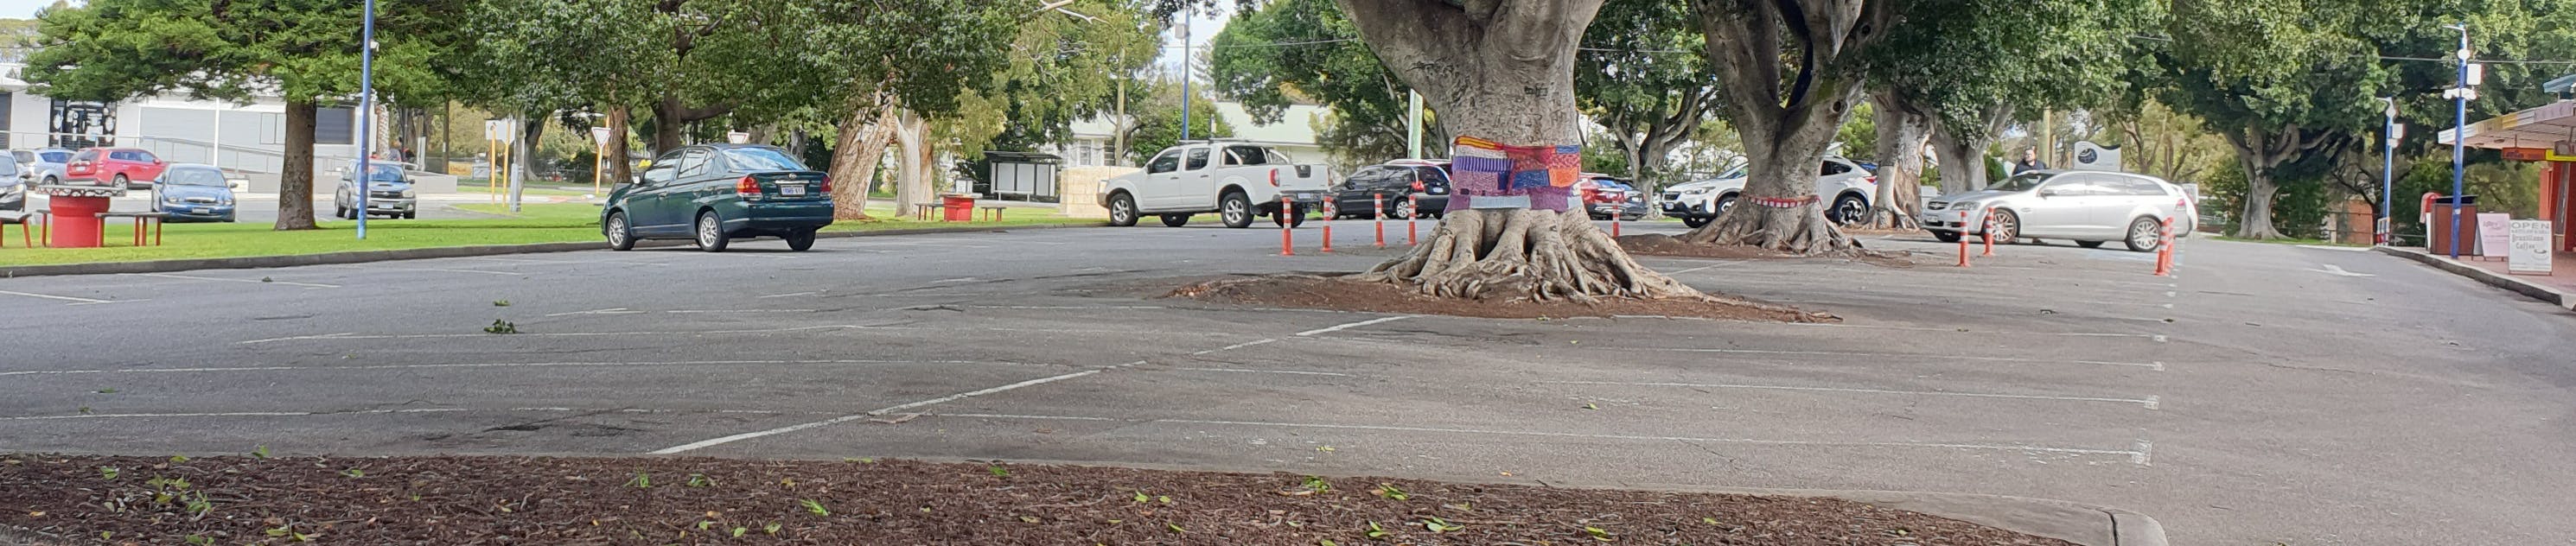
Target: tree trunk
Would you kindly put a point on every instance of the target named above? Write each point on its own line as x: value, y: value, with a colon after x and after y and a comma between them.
x: 671, y: 119
x: 620, y: 169
x: 295, y: 176
x: 2256, y: 220
x: 1786, y: 114
x: 2260, y: 150
x: 915, y: 183
x: 863, y: 140
x: 1505, y: 74
x: 1903, y: 129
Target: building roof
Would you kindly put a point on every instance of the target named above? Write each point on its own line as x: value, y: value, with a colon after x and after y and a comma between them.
x: 2542, y: 127
x: 1295, y: 127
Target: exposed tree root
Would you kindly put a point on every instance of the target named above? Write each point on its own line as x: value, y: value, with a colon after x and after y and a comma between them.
x: 1533, y: 255
x: 1801, y: 230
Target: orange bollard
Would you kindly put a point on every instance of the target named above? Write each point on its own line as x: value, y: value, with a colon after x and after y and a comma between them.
x: 1328, y: 226
x: 1377, y: 204
x: 1989, y: 228
x: 2164, y: 250
x: 1409, y: 225
x: 1614, y: 224
x: 1287, y: 243
x: 1963, y: 240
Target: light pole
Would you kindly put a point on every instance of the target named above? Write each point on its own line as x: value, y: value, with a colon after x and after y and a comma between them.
x: 2388, y: 174
x: 366, y: 113
x: 2459, y: 134
x: 1186, y: 61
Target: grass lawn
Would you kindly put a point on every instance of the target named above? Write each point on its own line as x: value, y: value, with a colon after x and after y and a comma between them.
x: 535, y: 223
x: 2283, y: 241
x: 479, y: 187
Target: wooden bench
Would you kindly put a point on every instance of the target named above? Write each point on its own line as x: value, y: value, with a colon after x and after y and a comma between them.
x: 17, y: 218
x: 140, y: 219
x: 922, y: 211
x: 995, y: 210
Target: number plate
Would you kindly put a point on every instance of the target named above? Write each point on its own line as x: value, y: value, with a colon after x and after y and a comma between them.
x: 198, y: 210
x: 793, y: 190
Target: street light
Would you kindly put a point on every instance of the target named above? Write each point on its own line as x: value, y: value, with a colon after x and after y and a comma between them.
x: 2388, y: 174
x: 366, y: 113
x: 2460, y: 96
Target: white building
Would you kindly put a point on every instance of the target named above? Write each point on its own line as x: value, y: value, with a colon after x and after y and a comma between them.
x: 244, y: 138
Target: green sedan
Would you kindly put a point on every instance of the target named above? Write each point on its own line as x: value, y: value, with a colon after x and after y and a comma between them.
x: 715, y: 193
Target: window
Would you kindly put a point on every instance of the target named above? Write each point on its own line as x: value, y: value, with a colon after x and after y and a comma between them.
x: 693, y: 163
x: 760, y: 159
x: 1431, y: 176
x: 125, y: 155
x: 2077, y: 186
x: 1198, y: 158
x: 146, y: 157
x: 1167, y: 162
x: 1276, y: 158
x: 23, y: 156
x: 86, y: 155
x: 1835, y: 167
x: 1360, y: 179
x: 193, y: 177
x: 55, y: 156
x: 1246, y: 155
x: 663, y: 169
x: 334, y: 126
x: 2130, y: 185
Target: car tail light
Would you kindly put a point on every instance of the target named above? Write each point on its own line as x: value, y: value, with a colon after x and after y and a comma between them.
x: 1873, y: 179
x: 747, y: 186
x: 827, y: 184
x: 1274, y: 178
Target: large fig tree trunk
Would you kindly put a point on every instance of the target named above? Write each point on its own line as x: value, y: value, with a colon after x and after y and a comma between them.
x: 620, y: 168
x: 295, y: 176
x: 1903, y: 128
x: 1501, y: 72
x: 855, y: 154
x: 1791, y: 70
x: 2262, y: 150
x: 1961, y: 145
x: 916, y: 179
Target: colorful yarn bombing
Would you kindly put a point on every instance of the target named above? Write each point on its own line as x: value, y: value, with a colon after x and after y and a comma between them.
x: 1490, y: 175
x: 1784, y: 203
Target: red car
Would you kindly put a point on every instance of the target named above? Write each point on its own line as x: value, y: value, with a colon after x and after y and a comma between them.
x: 131, y: 168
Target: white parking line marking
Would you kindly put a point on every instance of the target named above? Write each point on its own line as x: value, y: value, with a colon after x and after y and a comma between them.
x: 523, y: 365
x: 608, y: 311
x: 2337, y: 270
x: 1340, y: 327
x: 1235, y: 346
x: 1956, y: 330
x: 2134, y: 456
x: 1284, y: 372
x: 53, y: 297
x: 354, y: 336
x: 468, y: 271
x: 1704, y: 267
x: 1047, y: 306
x: 2149, y: 402
x: 791, y: 294
x: 252, y: 281
x: 687, y: 311
x: 2157, y: 366
x: 227, y: 414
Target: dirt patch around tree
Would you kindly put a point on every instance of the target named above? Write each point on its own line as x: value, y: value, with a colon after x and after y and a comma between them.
x: 1657, y: 244
x: 642, y: 501
x: 1336, y: 292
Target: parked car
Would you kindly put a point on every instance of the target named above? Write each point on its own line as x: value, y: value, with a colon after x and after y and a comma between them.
x: 43, y: 166
x: 193, y: 192
x: 2088, y: 207
x: 1844, y: 184
x: 1404, y: 188
x: 1604, y: 195
x: 389, y: 192
x: 129, y: 168
x: 14, y: 182
x: 715, y: 193
x: 1236, y: 180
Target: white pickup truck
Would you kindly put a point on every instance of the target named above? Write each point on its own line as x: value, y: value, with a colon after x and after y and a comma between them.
x: 1236, y: 180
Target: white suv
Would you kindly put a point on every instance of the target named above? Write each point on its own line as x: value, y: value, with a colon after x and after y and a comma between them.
x: 2088, y: 207
x: 1846, y: 185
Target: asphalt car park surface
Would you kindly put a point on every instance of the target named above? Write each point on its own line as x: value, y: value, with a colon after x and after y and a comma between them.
x: 2257, y: 397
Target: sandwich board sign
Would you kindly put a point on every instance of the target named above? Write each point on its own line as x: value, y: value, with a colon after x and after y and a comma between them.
x: 2528, y: 252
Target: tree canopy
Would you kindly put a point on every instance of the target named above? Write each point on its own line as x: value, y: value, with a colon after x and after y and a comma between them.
x: 1283, y: 52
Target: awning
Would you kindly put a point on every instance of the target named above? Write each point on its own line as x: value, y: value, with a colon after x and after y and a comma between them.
x: 2544, y: 128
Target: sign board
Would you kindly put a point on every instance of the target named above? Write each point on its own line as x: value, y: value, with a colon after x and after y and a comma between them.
x: 2528, y: 250
x: 738, y: 137
x: 2526, y: 154
x: 501, y: 130
x: 600, y: 135
x: 2493, y: 228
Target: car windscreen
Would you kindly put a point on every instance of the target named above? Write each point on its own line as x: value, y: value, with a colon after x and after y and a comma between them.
x: 23, y: 156
x: 193, y: 177
x: 761, y: 159
x: 56, y: 157
x: 2020, y: 182
x: 384, y: 172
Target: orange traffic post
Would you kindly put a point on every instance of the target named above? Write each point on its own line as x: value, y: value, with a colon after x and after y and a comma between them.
x: 1963, y: 241
x: 1377, y: 204
x: 1409, y: 226
x: 2164, y: 250
x: 1989, y: 228
x: 1614, y: 224
x: 1287, y: 245
x: 1328, y: 225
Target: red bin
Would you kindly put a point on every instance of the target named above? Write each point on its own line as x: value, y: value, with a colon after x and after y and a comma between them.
x: 957, y: 207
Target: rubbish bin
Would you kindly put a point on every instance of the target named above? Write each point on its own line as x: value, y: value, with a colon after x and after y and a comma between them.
x: 957, y: 207
x: 2465, y: 207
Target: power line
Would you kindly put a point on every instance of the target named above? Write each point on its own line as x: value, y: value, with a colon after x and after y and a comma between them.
x: 2396, y: 58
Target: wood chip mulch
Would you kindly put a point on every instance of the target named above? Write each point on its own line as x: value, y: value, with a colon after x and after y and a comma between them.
x: 455, y: 500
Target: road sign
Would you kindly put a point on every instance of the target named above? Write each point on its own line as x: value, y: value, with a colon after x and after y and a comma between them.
x: 503, y: 130
x: 599, y: 134
x: 738, y: 137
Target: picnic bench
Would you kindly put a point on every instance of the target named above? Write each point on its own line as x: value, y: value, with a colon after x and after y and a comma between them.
x: 141, y: 218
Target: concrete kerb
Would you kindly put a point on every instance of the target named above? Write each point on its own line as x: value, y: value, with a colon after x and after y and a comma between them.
x: 2063, y: 520
x: 2536, y: 291
x: 362, y: 256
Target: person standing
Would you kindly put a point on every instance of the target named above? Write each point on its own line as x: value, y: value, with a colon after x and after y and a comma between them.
x: 2029, y: 161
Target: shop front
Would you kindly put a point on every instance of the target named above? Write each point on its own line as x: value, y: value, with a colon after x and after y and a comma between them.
x: 2546, y: 135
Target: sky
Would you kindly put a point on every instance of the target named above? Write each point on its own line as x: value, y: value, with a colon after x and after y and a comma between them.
x: 1203, y: 27
x: 22, y: 9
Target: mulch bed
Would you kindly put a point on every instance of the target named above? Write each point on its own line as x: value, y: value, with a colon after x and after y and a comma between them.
x: 1336, y: 293
x: 1656, y: 244
x: 578, y: 501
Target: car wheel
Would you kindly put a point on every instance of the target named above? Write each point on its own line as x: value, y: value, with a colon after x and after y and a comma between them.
x: 411, y: 215
x: 1122, y: 210
x: 2005, y: 226
x: 1723, y: 202
x: 1295, y: 216
x: 711, y: 235
x: 2145, y: 234
x: 1176, y: 220
x: 621, y: 237
x: 1236, y: 210
x: 1946, y: 236
x: 50, y: 180
x: 2089, y: 244
x: 122, y: 183
x: 1850, y: 209
x: 1401, y: 210
x: 799, y: 240
x: 1695, y: 222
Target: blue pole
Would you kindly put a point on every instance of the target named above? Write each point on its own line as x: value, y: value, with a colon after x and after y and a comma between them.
x: 366, y: 113
x: 2388, y: 175
x: 2459, y: 140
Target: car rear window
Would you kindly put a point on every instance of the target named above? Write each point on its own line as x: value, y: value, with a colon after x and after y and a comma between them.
x: 761, y: 159
x: 56, y: 157
x: 23, y: 156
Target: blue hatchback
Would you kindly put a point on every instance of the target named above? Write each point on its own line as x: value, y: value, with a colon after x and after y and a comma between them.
x: 712, y: 194
x: 193, y: 192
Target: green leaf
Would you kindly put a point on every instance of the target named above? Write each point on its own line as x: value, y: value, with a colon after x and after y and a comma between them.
x: 772, y: 528
x: 815, y: 507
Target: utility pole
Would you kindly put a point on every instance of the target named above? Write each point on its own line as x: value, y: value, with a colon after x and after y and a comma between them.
x: 1118, y: 125
x: 1186, y: 60
x: 2460, y: 132
x: 366, y: 114
x: 2388, y: 174
x: 1413, y: 125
